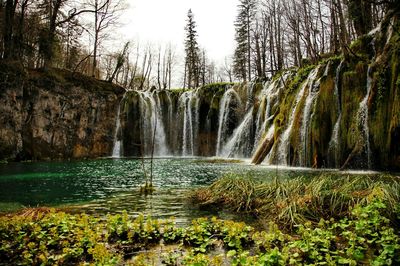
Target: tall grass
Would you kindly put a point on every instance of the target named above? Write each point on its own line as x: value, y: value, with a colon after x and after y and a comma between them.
x: 295, y: 201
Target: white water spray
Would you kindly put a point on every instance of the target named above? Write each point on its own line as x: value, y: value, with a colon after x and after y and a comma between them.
x: 283, y: 148
x: 229, y: 97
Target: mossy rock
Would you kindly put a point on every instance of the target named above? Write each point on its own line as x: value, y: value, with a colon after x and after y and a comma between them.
x: 363, y: 46
x: 325, y: 116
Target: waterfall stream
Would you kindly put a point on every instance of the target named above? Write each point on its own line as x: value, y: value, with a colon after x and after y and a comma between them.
x: 313, y: 91
x: 334, y: 143
x: 189, y: 106
x: 117, y: 143
x: 283, y: 148
x: 362, y: 117
x: 239, y: 145
x: 229, y: 97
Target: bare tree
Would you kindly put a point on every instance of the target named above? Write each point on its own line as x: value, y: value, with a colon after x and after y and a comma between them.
x: 165, y: 64
x: 106, y: 14
x: 121, y: 58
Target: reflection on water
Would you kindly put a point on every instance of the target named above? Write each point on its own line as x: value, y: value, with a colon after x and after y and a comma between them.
x: 112, y: 185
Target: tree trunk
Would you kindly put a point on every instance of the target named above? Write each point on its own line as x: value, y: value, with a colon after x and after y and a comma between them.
x: 11, y: 5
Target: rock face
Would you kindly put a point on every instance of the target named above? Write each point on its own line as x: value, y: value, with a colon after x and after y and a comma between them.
x: 55, y: 115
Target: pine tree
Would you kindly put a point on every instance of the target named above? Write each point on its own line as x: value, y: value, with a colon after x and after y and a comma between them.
x: 192, y: 58
x: 243, y: 24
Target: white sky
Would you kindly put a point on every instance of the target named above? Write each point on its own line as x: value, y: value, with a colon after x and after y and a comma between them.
x: 163, y: 21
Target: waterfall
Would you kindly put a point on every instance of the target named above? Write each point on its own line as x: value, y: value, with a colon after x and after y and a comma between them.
x: 283, y: 148
x: 334, y: 143
x: 239, y: 145
x: 151, y: 116
x: 270, y: 94
x: 189, y: 104
x: 362, y: 117
x: 390, y: 30
x: 161, y: 148
x: 313, y: 91
x: 117, y: 147
x: 264, y: 108
x: 229, y: 97
x: 250, y: 95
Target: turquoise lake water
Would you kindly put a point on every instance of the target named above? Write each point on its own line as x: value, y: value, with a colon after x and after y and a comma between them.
x: 112, y: 185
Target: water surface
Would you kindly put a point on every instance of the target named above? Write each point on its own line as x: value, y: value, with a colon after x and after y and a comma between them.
x: 112, y: 185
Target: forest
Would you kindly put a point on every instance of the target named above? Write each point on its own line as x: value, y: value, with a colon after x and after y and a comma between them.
x: 270, y: 36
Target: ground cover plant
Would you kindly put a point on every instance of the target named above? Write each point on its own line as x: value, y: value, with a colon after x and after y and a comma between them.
x: 365, y: 236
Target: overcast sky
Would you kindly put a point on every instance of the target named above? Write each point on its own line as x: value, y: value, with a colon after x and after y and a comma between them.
x: 163, y: 21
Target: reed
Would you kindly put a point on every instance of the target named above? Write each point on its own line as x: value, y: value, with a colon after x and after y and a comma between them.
x: 295, y: 201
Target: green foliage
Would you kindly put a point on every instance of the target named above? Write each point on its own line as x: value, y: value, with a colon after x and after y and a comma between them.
x: 364, y: 236
x: 135, y: 234
x: 55, y: 238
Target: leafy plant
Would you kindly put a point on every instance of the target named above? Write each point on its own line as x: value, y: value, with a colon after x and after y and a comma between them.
x: 365, y: 235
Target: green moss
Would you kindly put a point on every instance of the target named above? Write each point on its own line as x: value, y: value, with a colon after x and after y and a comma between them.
x: 295, y: 137
x: 301, y: 75
x: 212, y: 93
x: 217, y: 86
x: 286, y: 104
x: 332, y: 59
x: 351, y: 99
x: 177, y: 90
x: 293, y: 86
x: 362, y: 46
x: 279, y: 123
x: 323, y: 120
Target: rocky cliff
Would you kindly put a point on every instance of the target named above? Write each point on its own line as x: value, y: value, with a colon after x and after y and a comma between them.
x: 55, y: 114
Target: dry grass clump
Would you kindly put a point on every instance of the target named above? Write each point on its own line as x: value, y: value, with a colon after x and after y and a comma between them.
x: 292, y: 202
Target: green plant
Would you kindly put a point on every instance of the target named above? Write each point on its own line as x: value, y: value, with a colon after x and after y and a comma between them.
x: 199, y: 235
x: 365, y: 235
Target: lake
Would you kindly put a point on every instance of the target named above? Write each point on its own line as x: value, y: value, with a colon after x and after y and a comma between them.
x: 112, y: 185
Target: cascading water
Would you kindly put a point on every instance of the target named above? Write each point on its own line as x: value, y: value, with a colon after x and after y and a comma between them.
x: 270, y: 95
x: 269, y: 135
x: 334, y: 143
x: 152, y: 124
x: 263, y: 110
x: 189, y: 104
x: 283, y: 148
x: 229, y: 97
x: 117, y: 147
x: 161, y: 138
x: 250, y: 95
x: 240, y: 121
x: 313, y: 91
x: 362, y: 117
x: 239, y: 144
